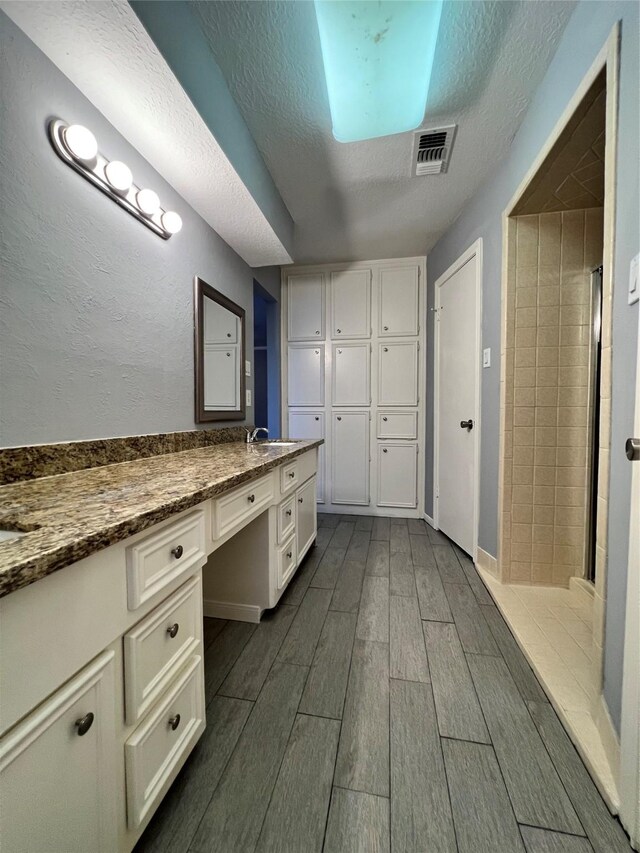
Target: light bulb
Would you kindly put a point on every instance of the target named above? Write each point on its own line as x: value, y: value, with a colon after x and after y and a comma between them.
x: 81, y: 143
x: 171, y: 221
x: 119, y: 176
x: 148, y: 202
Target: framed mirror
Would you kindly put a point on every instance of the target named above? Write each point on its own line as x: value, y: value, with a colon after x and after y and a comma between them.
x: 219, y: 356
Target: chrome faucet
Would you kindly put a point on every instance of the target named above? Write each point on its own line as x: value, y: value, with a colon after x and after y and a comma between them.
x: 252, y: 436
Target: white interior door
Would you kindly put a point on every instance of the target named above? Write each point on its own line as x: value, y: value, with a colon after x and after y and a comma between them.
x: 457, y: 402
x: 351, y: 375
x: 630, y: 725
x: 306, y: 375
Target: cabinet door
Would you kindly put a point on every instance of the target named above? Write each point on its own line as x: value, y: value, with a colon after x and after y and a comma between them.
x: 398, y: 302
x: 397, y: 425
x: 57, y: 776
x: 221, y: 378
x: 306, y: 518
x: 306, y: 375
x: 306, y: 307
x: 397, y: 475
x: 351, y: 304
x: 220, y: 326
x: 351, y: 374
x: 398, y: 374
x: 350, y: 458
x: 310, y: 425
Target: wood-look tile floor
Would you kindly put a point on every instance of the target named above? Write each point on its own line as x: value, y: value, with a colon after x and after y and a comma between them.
x: 382, y: 706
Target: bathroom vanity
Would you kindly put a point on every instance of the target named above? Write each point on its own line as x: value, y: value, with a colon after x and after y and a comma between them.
x: 101, y: 668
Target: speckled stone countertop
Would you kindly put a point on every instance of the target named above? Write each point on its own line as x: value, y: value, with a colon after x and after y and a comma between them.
x: 69, y: 516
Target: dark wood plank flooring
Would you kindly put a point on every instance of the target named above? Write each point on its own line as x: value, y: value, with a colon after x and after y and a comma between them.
x: 382, y: 706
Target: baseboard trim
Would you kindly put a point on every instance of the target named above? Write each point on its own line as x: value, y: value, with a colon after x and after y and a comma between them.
x: 486, y: 562
x: 430, y: 521
x: 609, y: 738
x: 229, y: 610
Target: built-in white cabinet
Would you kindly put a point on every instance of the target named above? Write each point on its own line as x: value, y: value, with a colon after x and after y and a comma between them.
x: 397, y: 475
x: 351, y: 304
x: 371, y: 348
x: 350, y: 457
x: 306, y: 516
x: 306, y: 375
x: 57, y: 767
x: 310, y: 425
x: 351, y: 374
x: 305, y: 303
x: 398, y: 301
x: 221, y: 385
x: 398, y: 373
x: 220, y: 326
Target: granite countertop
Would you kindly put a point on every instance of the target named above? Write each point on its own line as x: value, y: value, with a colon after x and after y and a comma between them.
x: 67, y: 517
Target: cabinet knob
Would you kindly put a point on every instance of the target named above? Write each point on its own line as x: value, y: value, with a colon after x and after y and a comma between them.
x: 317, y: 352
x: 178, y: 551
x: 385, y: 419
x: 384, y: 450
x: 385, y: 349
x: 228, y: 334
x: 300, y: 500
x: 317, y: 331
x: 251, y: 498
x: 228, y: 355
x: 339, y: 331
x: 289, y: 554
x: 172, y: 630
x: 292, y: 474
x: 339, y: 418
x: 386, y: 328
x: 84, y: 724
x: 339, y: 352
x: 288, y: 512
x: 174, y: 722
x: 317, y: 418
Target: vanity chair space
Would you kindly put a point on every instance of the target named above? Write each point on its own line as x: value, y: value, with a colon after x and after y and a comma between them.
x: 101, y: 671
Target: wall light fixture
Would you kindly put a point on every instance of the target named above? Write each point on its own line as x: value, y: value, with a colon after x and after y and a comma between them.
x: 78, y: 147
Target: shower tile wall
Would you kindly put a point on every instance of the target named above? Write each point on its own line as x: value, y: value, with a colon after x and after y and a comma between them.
x: 548, y: 396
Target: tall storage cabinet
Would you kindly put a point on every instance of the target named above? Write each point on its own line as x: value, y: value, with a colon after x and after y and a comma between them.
x: 353, y: 350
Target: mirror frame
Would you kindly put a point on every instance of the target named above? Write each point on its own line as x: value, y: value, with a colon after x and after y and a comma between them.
x: 202, y: 415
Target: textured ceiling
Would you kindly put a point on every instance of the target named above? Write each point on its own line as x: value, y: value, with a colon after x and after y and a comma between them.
x: 358, y: 201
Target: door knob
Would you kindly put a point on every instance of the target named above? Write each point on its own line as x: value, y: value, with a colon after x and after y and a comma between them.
x: 468, y: 425
x: 632, y: 449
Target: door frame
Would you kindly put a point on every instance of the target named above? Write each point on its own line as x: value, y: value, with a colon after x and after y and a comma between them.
x: 475, y: 250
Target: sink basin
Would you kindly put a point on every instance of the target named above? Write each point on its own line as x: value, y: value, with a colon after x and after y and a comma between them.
x: 8, y: 535
x: 276, y: 442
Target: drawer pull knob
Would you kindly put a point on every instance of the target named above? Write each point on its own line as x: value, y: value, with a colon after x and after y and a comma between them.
x: 384, y: 450
x: 172, y: 630
x: 386, y: 328
x: 300, y: 500
x: 317, y: 418
x: 339, y: 331
x: 339, y: 418
x: 292, y: 474
x: 251, y: 498
x: 385, y: 349
x: 174, y: 722
x: 178, y: 551
x: 84, y: 724
x: 385, y: 419
x: 289, y: 554
x: 228, y: 334
x: 288, y: 512
x: 317, y: 331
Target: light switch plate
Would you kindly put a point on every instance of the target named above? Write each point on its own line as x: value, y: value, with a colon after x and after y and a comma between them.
x: 247, y: 368
x: 634, y: 285
x: 486, y: 357
x: 248, y: 397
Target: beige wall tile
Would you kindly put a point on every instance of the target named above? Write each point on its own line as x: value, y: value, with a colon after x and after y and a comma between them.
x: 570, y: 496
x: 575, y: 396
x: 520, y: 533
x: 572, y: 416
x: 543, y: 534
x: 568, y: 516
x: 522, y: 494
x: 548, y: 275
x: 546, y: 395
x: 523, y: 455
x: 548, y: 296
x: 573, y: 536
x: 542, y: 573
x: 545, y: 456
x: 543, y: 514
x: 545, y: 436
x: 546, y: 376
x: 544, y: 476
x: 574, y: 356
x: 527, y: 241
x: 526, y: 336
x: 572, y: 437
x: 566, y: 555
x: 573, y: 376
x: 525, y: 377
x: 521, y: 551
x: 524, y: 397
x: 550, y: 238
x: 523, y: 436
x: 572, y: 456
x: 522, y: 514
x: 572, y: 477
x: 527, y: 297
x: 547, y: 356
x: 525, y: 357
x: 574, y: 336
x: 542, y: 553
x: 574, y: 315
x: 520, y: 571
x: 546, y: 416
x: 573, y: 225
x: 544, y: 495
x: 522, y: 475
x: 548, y: 336
x: 549, y: 315
x: 528, y: 277
x: 526, y: 317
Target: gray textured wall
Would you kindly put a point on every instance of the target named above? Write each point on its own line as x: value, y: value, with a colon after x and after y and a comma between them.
x: 96, y: 326
x: 584, y: 36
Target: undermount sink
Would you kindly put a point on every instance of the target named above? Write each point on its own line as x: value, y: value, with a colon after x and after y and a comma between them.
x: 8, y: 535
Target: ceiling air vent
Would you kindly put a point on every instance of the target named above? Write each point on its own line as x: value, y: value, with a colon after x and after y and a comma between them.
x: 432, y: 149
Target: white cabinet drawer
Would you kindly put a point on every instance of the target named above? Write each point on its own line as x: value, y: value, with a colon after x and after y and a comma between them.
x: 289, y: 477
x: 398, y: 425
x: 286, y: 562
x: 159, y: 746
x: 232, y: 511
x: 164, y: 555
x: 159, y: 646
x: 286, y: 519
